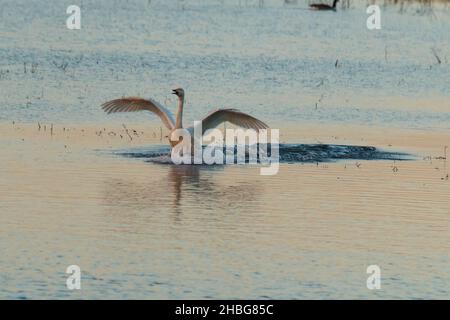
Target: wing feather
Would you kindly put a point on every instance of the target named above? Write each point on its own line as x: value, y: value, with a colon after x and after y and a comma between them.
x: 233, y: 116
x: 132, y: 104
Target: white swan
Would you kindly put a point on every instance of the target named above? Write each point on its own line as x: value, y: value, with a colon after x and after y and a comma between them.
x: 212, y: 120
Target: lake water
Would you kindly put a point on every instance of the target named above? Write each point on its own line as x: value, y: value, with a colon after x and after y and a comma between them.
x: 70, y: 193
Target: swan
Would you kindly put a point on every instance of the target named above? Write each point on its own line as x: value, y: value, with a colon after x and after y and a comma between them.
x: 212, y: 120
x: 321, y: 6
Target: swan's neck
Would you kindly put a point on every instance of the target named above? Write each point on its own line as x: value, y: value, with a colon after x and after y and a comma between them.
x: 179, y: 123
x: 334, y: 3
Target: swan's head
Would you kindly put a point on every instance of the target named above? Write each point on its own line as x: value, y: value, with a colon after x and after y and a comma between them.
x: 178, y: 92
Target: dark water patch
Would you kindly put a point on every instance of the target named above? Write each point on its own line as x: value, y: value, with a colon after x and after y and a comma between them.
x: 288, y: 153
x: 331, y: 152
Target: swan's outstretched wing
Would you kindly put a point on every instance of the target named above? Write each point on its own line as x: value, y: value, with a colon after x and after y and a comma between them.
x: 233, y: 116
x: 131, y: 104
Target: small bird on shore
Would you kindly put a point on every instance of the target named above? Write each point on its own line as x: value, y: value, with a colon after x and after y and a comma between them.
x: 212, y: 120
x: 322, y: 6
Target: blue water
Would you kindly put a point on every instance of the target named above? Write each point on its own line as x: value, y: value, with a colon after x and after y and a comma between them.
x: 139, y: 229
x: 276, y: 62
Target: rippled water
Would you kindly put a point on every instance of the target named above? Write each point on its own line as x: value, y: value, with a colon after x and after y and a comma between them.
x: 277, y: 62
x: 350, y: 105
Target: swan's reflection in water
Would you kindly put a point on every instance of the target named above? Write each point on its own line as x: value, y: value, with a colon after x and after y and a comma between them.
x: 182, y: 188
x: 156, y: 185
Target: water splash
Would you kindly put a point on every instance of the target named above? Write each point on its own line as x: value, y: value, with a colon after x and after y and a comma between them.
x: 288, y: 153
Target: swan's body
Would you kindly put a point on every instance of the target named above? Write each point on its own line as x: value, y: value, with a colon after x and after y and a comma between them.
x: 322, y: 6
x: 212, y: 120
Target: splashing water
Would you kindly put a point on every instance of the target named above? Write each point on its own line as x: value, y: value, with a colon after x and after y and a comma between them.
x: 288, y: 153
